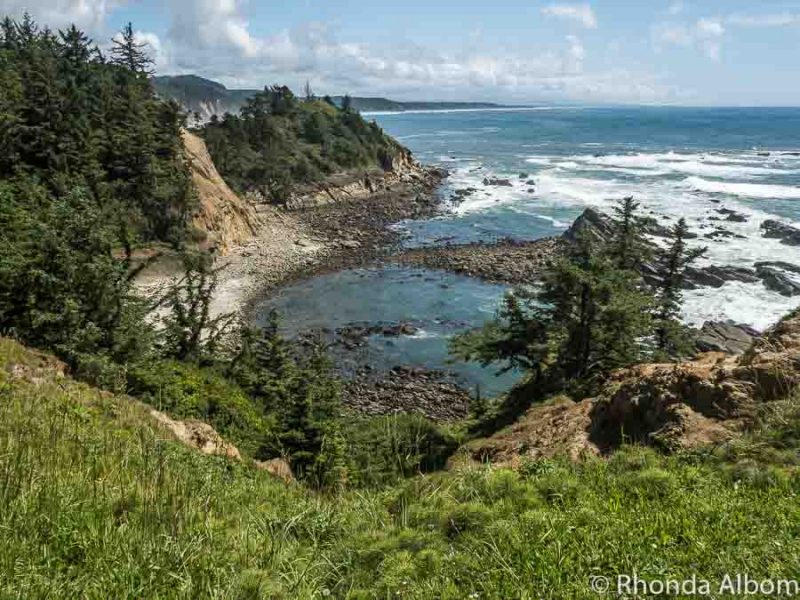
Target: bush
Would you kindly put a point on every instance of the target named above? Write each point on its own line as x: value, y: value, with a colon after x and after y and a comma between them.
x: 383, y: 449
x: 188, y: 391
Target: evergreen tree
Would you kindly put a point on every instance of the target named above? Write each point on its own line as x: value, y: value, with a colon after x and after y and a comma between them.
x: 589, y: 316
x: 129, y: 53
x: 628, y: 247
x: 347, y: 103
x: 190, y: 331
x: 671, y: 336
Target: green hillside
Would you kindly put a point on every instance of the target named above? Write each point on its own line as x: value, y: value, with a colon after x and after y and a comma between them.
x: 97, y: 502
x: 279, y: 141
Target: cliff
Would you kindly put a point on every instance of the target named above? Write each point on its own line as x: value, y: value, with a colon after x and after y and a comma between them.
x: 360, y: 184
x: 225, y: 218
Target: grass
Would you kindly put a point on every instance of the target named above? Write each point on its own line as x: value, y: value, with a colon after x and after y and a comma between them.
x: 96, y: 502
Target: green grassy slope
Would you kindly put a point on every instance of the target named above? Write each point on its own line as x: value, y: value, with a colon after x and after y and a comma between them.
x: 95, y: 502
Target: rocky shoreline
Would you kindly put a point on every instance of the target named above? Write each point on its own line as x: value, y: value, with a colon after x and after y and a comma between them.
x: 506, y: 261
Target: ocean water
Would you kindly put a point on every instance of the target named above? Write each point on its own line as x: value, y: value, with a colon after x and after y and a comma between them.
x: 677, y: 162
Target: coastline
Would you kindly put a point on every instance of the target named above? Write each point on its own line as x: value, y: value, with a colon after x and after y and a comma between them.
x: 331, y: 227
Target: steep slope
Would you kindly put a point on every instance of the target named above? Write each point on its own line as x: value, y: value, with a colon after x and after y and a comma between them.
x: 227, y: 219
x: 97, y: 502
x: 684, y: 405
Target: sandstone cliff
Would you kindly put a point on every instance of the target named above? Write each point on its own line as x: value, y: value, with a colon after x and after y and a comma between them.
x: 226, y: 219
x: 357, y: 185
x: 683, y: 405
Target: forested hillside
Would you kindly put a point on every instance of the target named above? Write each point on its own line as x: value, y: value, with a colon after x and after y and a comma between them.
x: 80, y: 126
x: 279, y: 141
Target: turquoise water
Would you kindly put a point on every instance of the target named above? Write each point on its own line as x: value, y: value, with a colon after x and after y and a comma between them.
x: 676, y: 162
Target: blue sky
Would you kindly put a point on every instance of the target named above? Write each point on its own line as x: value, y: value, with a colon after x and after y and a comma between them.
x: 711, y: 52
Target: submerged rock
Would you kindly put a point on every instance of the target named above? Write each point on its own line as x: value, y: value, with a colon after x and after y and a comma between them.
x: 497, y: 182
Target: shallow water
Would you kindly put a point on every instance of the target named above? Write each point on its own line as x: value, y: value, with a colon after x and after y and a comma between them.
x: 437, y: 304
x: 676, y: 162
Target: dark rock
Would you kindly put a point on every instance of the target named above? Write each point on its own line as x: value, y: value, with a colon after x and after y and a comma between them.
x: 779, y: 264
x: 776, y: 279
x: 724, y: 336
x: 497, y: 182
x: 732, y: 215
x: 785, y: 233
x: 593, y: 223
x: 460, y: 195
x: 716, y: 276
x: 524, y: 175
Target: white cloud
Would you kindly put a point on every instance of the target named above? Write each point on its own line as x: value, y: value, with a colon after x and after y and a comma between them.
x: 710, y: 28
x: 768, y: 20
x: 213, y: 38
x: 90, y: 15
x: 675, y: 8
x: 581, y: 13
x: 705, y: 34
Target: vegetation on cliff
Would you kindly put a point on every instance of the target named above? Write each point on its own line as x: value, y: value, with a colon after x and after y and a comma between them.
x: 279, y: 141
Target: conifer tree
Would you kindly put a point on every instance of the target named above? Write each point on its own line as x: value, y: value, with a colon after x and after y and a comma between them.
x: 129, y: 53
x: 628, y: 247
x: 670, y: 334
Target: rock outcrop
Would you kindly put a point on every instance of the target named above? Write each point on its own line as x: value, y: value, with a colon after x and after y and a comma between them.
x: 724, y: 336
x: 225, y: 218
x: 361, y: 184
x: 683, y: 405
x: 785, y: 233
x: 198, y: 435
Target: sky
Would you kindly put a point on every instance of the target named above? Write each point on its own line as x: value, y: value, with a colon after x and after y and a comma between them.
x: 701, y: 52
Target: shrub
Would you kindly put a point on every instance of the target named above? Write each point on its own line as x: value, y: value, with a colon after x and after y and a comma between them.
x: 188, y: 391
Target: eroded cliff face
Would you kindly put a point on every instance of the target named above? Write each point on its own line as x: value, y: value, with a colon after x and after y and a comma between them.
x: 226, y: 219
x: 357, y: 185
x: 684, y: 405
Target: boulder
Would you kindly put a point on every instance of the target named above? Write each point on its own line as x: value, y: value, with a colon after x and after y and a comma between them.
x: 776, y: 279
x: 724, y: 336
x: 717, y: 276
x: 785, y: 233
x: 198, y: 435
x: 732, y: 215
x: 277, y: 467
x: 497, y: 182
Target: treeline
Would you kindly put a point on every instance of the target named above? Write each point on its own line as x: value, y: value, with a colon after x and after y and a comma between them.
x: 278, y: 141
x: 75, y: 120
x: 593, y: 313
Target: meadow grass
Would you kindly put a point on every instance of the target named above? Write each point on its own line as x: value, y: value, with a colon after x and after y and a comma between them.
x: 97, y: 502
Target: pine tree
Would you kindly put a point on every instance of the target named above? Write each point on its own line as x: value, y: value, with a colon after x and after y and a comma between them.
x: 628, y: 247
x: 670, y: 334
x: 191, y: 333
x: 129, y: 53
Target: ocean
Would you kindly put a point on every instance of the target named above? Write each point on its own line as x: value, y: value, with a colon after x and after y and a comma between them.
x: 677, y: 162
